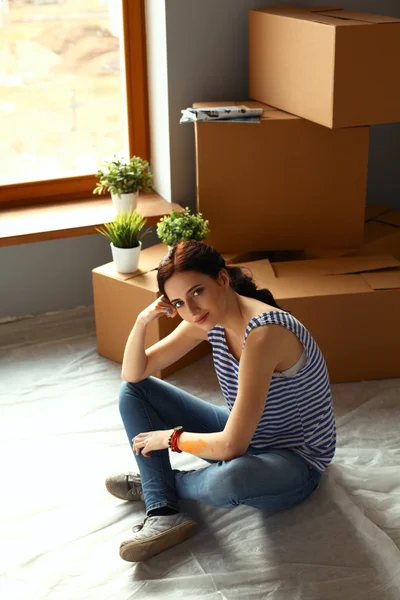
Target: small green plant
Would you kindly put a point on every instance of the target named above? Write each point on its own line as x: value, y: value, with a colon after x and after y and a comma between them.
x: 179, y: 227
x: 126, y: 230
x: 120, y: 176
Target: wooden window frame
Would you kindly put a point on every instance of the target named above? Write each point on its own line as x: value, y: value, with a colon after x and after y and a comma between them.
x: 81, y: 187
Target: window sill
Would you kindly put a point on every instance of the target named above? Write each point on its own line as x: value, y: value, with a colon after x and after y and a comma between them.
x: 55, y: 220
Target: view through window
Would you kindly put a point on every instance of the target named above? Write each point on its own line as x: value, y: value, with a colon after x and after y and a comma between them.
x: 62, y: 88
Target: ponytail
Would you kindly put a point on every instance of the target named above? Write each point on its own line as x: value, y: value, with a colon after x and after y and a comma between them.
x: 244, y: 285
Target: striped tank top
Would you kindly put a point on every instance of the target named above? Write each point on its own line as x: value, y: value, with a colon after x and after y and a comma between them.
x: 298, y: 412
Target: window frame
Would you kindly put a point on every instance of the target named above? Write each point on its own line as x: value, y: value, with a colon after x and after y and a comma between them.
x: 81, y: 187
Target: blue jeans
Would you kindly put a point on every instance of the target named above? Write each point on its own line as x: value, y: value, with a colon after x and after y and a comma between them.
x: 271, y: 478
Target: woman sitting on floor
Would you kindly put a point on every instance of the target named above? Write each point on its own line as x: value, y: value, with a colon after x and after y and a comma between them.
x: 268, y: 448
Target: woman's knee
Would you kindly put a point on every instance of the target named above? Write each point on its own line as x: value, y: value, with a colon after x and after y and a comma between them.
x: 128, y: 395
x: 231, y: 485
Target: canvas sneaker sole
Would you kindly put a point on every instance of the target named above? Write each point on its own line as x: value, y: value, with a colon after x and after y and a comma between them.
x: 139, y: 550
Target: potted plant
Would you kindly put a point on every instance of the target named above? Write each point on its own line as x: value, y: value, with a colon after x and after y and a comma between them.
x: 124, y: 179
x: 178, y: 227
x: 125, y: 233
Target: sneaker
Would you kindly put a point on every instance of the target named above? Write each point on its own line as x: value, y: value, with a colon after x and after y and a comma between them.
x: 156, y: 534
x: 125, y: 486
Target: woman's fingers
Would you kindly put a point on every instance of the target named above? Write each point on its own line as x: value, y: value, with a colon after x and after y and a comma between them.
x: 140, y: 441
x: 164, y: 304
x: 167, y: 307
x: 142, y: 436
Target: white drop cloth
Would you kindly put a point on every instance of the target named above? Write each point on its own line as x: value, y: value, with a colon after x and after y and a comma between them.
x: 61, y: 434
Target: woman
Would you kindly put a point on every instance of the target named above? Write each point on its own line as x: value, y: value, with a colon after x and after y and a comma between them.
x: 268, y: 448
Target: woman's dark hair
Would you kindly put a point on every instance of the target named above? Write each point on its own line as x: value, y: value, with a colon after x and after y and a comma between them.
x: 200, y: 257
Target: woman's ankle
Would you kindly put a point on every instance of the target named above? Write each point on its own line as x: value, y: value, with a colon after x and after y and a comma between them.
x: 162, y: 512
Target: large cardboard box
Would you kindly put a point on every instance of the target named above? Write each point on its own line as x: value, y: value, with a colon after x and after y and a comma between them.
x: 350, y: 305
x: 381, y: 235
x: 282, y: 184
x: 335, y: 67
x: 372, y: 211
x: 118, y: 300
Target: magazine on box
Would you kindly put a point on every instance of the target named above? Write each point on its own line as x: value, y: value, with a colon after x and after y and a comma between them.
x: 221, y: 113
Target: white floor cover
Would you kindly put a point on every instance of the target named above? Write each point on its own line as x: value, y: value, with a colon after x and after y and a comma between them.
x: 61, y: 435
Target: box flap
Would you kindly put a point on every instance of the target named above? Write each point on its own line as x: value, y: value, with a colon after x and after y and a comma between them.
x: 335, y: 266
x: 147, y: 281
x: 261, y: 269
x: 390, y: 218
x: 315, y: 15
x: 300, y: 12
x: 375, y: 230
x: 328, y: 15
x: 149, y: 259
x: 314, y: 286
x: 358, y: 16
x: 372, y: 211
x: 316, y: 9
x: 245, y: 257
x: 230, y: 257
x: 380, y: 238
x: 387, y: 280
x: 314, y: 252
x: 304, y: 283
x: 109, y: 271
x: 336, y: 21
x: 363, y: 264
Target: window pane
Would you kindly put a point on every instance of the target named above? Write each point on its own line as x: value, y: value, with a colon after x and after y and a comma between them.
x: 62, y: 87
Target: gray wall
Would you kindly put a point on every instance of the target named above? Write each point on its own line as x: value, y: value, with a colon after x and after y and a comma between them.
x: 47, y: 276
x: 206, y: 58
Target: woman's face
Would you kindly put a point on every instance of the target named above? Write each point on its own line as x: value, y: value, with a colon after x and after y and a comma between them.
x: 198, y: 298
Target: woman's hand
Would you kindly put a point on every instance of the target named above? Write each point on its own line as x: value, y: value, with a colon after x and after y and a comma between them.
x: 157, y: 309
x: 151, y: 440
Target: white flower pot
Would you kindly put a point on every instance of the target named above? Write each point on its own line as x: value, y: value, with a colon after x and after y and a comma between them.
x: 126, y: 260
x: 124, y: 202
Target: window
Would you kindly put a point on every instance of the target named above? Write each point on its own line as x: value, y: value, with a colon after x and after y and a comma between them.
x: 72, y: 92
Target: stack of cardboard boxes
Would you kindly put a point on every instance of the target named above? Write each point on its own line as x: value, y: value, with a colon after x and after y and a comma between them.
x: 297, y: 180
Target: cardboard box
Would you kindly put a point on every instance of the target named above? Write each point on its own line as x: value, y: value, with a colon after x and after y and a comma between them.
x: 281, y: 184
x: 381, y: 235
x: 390, y: 218
x: 372, y: 211
x: 119, y: 298
x: 350, y: 305
x: 335, y: 67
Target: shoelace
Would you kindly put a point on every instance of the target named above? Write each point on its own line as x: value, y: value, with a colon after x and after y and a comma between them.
x: 134, y: 487
x: 140, y: 526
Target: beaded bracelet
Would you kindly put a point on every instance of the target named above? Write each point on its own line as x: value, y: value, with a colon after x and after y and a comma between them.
x: 173, y: 439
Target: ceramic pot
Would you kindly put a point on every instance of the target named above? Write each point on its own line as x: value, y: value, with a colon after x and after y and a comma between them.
x: 124, y: 202
x: 126, y: 260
